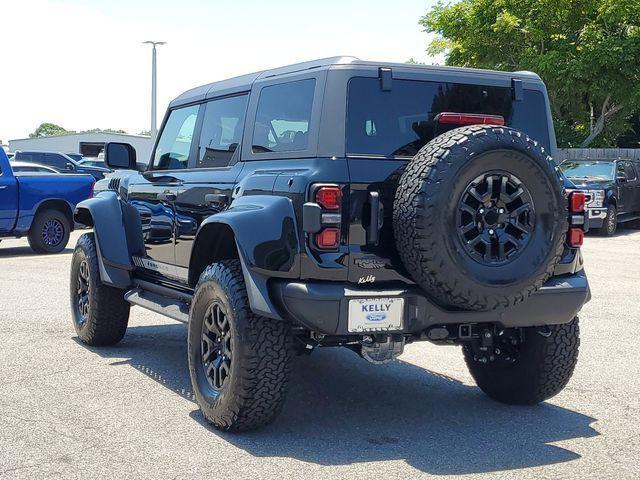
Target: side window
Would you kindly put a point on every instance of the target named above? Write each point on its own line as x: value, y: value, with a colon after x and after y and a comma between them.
x: 630, y: 171
x: 174, y: 145
x: 626, y: 169
x: 283, y: 116
x: 57, y: 161
x: 221, y: 131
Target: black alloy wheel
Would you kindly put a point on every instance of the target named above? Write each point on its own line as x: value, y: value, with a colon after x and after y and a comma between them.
x: 82, y: 294
x: 216, y: 347
x: 495, y: 218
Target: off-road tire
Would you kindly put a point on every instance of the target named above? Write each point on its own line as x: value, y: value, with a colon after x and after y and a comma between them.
x: 542, y: 369
x: 260, y: 350
x: 427, y: 202
x: 610, y: 223
x: 107, y: 314
x: 35, y: 237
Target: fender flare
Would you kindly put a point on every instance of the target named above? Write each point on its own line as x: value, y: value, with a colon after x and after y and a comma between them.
x: 115, y: 225
x: 266, y: 239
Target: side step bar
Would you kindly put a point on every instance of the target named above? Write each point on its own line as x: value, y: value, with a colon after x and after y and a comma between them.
x: 168, y: 306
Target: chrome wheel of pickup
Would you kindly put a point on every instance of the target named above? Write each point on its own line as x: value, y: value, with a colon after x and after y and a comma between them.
x: 52, y: 232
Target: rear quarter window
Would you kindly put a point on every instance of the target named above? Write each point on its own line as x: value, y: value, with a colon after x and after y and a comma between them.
x: 399, y: 122
x: 283, y: 117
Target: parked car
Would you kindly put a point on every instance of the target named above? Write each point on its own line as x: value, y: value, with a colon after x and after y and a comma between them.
x: 93, y: 162
x: 343, y: 203
x: 23, y: 167
x: 61, y: 162
x: 78, y: 157
x: 613, y: 188
x: 40, y: 205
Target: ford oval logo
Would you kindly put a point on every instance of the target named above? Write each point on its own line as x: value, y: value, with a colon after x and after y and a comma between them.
x: 376, y: 317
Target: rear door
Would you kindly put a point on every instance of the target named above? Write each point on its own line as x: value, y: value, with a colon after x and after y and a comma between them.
x: 8, y: 200
x: 387, y: 123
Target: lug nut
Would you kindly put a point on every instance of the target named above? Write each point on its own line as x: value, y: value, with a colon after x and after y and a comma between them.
x: 501, y: 210
x: 481, y: 210
x: 491, y: 232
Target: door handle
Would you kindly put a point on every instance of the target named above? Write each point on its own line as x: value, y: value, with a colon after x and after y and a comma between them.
x: 218, y: 199
x: 375, y: 219
x: 167, y: 197
x: 2, y: 187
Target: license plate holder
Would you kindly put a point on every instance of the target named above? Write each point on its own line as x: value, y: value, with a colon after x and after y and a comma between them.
x: 381, y: 314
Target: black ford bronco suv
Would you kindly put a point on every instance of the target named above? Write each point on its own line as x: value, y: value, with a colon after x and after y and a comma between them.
x: 343, y: 203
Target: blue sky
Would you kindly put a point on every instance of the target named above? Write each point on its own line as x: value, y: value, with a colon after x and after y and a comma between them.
x: 81, y: 64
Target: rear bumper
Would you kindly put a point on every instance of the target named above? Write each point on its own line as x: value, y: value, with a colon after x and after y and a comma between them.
x: 323, y: 307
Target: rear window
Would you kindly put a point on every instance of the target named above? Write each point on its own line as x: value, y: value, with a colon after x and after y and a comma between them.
x: 399, y: 122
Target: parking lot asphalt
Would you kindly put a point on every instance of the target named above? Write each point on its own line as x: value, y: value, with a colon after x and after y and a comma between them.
x: 69, y: 411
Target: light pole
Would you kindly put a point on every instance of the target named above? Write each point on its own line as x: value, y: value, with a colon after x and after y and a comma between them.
x: 154, y: 117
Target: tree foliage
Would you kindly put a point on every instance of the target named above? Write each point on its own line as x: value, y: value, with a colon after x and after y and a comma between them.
x: 48, y: 130
x: 104, y: 130
x: 51, y: 129
x: 586, y: 51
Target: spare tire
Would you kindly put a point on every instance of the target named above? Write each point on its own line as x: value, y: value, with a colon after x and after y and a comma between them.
x: 480, y: 217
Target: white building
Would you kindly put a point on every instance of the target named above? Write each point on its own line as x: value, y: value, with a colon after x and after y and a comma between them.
x: 88, y: 144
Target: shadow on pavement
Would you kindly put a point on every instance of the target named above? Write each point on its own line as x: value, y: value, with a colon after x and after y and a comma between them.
x: 621, y: 231
x: 342, y: 410
x: 16, y: 252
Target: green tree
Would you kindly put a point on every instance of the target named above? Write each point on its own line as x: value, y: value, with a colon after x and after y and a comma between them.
x: 48, y: 130
x: 104, y: 130
x: 586, y: 51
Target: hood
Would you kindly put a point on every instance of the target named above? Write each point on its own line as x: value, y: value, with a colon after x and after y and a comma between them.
x: 589, y: 184
x: 88, y: 168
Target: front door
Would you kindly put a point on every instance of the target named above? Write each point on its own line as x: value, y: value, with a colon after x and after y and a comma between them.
x: 206, y: 188
x: 627, y: 188
x: 154, y: 193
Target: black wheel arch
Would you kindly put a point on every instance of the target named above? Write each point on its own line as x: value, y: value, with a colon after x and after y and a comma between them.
x: 118, y: 235
x: 214, y: 242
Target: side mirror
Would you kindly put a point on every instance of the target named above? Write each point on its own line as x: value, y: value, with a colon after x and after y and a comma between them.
x: 119, y: 156
x: 69, y: 166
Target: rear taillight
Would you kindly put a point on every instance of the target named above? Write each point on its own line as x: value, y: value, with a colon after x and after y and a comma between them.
x: 328, y: 238
x: 576, y: 237
x: 577, y: 204
x: 452, y: 118
x: 329, y: 199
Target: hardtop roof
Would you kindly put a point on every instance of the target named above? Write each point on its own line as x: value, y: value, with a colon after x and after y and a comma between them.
x: 244, y: 82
